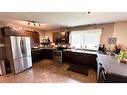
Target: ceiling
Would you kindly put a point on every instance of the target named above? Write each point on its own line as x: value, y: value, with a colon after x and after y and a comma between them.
x: 53, y: 20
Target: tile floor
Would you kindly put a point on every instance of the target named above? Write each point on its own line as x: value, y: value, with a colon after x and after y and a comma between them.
x: 46, y: 72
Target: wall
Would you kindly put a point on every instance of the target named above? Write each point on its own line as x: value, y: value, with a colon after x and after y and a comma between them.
x: 120, y: 31
x: 107, y: 32
x: 41, y: 35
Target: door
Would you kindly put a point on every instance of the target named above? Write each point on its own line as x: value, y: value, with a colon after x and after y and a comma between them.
x: 15, y: 47
x: 20, y: 46
x: 22, y: 64
x: 26, y: 48
x: 27, y: 63
x: 18, y: 65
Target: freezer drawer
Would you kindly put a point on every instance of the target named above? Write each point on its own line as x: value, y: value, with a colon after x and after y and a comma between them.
x: 18, y: 65
x: 27, y: 63
x: 22, y: 64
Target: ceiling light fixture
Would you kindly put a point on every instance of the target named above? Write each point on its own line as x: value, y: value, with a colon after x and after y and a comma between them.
x: 34, y: 23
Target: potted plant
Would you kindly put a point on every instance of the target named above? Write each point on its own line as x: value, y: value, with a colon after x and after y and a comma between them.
x: 122, y: 56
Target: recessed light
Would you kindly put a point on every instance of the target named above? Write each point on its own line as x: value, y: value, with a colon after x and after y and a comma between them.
x: 88, y: 12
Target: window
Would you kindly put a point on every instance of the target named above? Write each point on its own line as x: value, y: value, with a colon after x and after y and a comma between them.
x: 85, y: 39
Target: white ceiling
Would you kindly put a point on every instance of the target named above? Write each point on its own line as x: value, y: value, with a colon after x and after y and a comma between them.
x: 53, y: 20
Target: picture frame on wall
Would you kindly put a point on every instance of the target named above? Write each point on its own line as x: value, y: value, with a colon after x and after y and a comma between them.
x: 112, y: 40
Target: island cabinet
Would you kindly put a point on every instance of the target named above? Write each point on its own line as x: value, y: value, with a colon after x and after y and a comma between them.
x: 80, y: 58
x: 47, y: 53
x: 36, y: 56
x: 40, y: 54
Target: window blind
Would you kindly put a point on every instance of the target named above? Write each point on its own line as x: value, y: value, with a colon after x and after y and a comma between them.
x: 85, y: 39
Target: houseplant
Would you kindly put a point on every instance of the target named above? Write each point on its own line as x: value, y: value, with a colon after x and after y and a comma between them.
x: 122, y: 56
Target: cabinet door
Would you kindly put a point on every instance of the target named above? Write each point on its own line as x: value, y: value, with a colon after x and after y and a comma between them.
x: 54, y: 37
x: 61, y: 37
x: 92, y: 61
x: 34, y: 38
x: 48, y: 53
x: 65, y: 37
x: 28, y: 33
x: 1, y: 38
x: 8, y: 31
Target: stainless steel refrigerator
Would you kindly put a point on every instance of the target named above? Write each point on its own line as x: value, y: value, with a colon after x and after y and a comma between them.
x: 19, y: 53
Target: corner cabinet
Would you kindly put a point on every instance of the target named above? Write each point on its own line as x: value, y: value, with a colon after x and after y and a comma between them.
x: 61, y: 37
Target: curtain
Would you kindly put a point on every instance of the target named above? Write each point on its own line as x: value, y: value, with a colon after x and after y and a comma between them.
x: 85, y: 39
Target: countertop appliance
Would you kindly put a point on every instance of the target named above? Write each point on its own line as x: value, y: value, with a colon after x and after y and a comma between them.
x: 18, y: 53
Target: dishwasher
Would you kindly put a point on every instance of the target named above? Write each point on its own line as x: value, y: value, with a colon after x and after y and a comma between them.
x: 57, y: 56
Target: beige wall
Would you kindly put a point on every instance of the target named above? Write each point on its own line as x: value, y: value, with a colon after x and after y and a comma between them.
x: 120, y: 31
x: 107, y: 32
x: 41, y: 35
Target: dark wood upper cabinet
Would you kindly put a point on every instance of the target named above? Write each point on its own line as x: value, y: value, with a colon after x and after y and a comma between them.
x: 61, y: 37
x: 34, y: 35
x: 7, y: 31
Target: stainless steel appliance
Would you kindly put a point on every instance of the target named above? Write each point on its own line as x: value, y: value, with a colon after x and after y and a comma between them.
x: 57, y: 56
x: 19, y: 53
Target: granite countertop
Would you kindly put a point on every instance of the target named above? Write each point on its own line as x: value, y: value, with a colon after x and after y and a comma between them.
x: 111, y: 64
x: 81, y: 51
x: 37, y: 49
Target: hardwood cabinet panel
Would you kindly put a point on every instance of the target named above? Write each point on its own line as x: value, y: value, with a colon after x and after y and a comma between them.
x: 48, y: 53
x: 1, y: 38
x: 35, y: 37
x: 42, y: 54
x: 27, y: 33
x: 61, y: 37
x: 7, y: 31
x: 80, y: 58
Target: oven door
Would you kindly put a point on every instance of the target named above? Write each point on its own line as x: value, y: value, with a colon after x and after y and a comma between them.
x: 57, y: 56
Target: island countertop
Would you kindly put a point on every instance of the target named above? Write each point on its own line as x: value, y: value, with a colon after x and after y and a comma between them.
x: 111, y: 64
x: 81, y: 51
x: 37, y: 49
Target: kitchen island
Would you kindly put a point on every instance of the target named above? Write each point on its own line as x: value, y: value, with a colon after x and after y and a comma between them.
x: 42, y: 53
x: 80, y: 57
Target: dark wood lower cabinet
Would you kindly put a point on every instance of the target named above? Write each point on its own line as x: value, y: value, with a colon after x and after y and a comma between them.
x: 36, y: 56
x: 42, y: 54
x: 76, y: 58
x: 47, y: 53
x: 80, y: 58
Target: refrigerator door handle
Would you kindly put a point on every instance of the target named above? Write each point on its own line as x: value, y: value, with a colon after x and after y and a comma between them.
x: 22, y: 47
